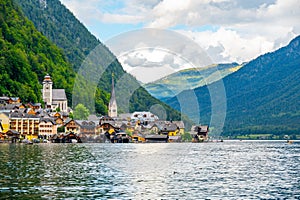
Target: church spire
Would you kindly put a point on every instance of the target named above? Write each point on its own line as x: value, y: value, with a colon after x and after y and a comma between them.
x: 112, y: 106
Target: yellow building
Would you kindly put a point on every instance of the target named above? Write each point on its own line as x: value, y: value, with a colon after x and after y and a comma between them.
x: 4, y: 117
x: 137, y: 137
x: 180, y: 126
x: 168, y: 128
x: 26, y: 125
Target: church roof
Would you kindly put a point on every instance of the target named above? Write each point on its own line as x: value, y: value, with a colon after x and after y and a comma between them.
x: 58, y: 94
x: 47, y: 78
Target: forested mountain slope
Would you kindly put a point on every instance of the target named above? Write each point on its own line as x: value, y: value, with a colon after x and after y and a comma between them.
x: 263, y: 96
x: 56, y: 22
x: 26, y: 56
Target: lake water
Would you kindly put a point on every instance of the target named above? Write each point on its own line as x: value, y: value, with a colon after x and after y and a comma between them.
x: 228, y: 170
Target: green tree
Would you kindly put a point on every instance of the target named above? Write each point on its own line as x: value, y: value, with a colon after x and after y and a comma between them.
x: 57, y: 109
x: 71, y: 115
x: 81, y: 112
x: 61, y: 129
x: 186, y: 137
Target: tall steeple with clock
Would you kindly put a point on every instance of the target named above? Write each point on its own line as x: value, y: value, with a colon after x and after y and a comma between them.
x: 47, y: 90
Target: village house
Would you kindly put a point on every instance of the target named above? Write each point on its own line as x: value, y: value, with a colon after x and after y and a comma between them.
x: 90, y: 131
x: 180, y: 126
x: 4, y: 100
x: 30, y: 111
x: 87, y: 128
x: 34, y: 106
x: 60, y: 118
x: 12, y: 135
x: 14, y: 100
x: 200, y: 133
x: 13, y: 106
x: 72, y: 127
x: 138, y: 137
x: 47, y: 128
x: 107, y: 127
x: 169, y: 129
x: 165, y: 128
x: 59, y: 121
x: 108, y: 124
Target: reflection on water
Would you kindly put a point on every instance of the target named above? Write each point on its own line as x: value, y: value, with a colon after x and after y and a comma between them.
x: 233, y: 169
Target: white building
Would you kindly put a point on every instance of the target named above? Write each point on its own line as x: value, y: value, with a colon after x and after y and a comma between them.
x: 144, y: 117
x: 54, y: 98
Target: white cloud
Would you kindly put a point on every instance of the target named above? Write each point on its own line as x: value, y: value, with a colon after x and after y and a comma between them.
x: 242, y: 29
x: 148, y: 65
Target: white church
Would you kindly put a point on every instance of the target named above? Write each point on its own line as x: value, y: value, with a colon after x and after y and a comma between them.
x: 54, y: 98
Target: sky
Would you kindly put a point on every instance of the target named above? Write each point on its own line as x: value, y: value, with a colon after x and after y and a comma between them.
x: 227, y: 30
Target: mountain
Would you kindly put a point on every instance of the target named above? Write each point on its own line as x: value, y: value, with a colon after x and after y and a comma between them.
x: 175, y: 83
x: 26, y: 56
x: 262, y: 97
x: 56, y: 22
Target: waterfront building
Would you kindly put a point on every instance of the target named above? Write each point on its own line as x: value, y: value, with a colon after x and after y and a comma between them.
x: 200, y: 133
x: 72, y: 126
x: 156, y: 138
x: 87, y: 128
x: 47, y: 128
x: 169, y: 129
x: 138, y: 137
x: 26, y: 125
x: 180, y: 126
x: 166, y: 128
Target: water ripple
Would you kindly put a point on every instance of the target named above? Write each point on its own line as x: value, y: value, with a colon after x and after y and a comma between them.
x: 229, y: 170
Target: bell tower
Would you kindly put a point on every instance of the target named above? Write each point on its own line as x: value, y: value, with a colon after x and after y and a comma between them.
x: 112, y: 106
x: 47, y: 90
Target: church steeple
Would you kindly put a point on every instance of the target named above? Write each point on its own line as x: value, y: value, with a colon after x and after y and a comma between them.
x: 112, y: 106
x: 47, y: 90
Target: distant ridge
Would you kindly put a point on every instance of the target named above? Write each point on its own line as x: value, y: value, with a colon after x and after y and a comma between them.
x: 175, y: 83
x: 262, y: 97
